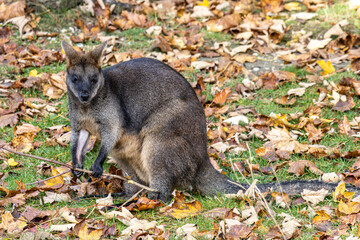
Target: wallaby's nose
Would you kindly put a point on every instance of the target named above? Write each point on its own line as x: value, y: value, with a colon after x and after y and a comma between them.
x: 84, y: 95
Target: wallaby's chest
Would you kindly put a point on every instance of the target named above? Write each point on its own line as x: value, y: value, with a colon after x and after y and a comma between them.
x: 89, y: 121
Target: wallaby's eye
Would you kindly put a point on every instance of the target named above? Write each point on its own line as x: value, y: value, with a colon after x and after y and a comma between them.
x: 74, y: 79
x: 94, y: 79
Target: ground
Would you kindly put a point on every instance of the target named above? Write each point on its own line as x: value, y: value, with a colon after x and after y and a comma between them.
x: 295, y: 99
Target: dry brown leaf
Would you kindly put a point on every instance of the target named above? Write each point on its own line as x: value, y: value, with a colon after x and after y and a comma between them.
x: 26, y: 128
x: 315, y: 44
x: 355, y: 65
x: 344, y: 126
x: 242, y: 58
x: 286, y: 100
x: 344, y: 105
x: 144, y: 203
x: 281, y: 140
x: 9, y: 119
x: 16, y: 9
x: 313, y: 5
x: 24, y: 142
x: 273, y: 6
x: 314, y: 134
x: 234, y: 229
x: 314, y: 197
x: 226, y: 22
x: 298, y: 167
x: 12, y: 227
x: 56, y: 197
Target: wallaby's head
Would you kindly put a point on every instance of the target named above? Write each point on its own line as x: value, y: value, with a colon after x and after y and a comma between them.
x: 84, y: 76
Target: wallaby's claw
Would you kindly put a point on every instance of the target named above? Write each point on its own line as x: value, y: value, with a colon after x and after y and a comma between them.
x: 97, y: 171
x: 77, y: 173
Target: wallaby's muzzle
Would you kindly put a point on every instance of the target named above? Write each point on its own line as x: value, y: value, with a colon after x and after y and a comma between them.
x: 84, y: 96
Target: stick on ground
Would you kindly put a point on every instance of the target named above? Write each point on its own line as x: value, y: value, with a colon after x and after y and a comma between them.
x: 78, y: 169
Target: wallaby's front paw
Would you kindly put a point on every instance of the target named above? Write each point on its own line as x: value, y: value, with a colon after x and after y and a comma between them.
x: 97, y: 171
x: 77, y: 173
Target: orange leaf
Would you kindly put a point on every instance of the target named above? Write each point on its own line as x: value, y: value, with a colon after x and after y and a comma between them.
x: 220, y: 97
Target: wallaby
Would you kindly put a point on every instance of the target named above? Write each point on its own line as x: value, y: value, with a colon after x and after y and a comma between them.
x: 151, y: 122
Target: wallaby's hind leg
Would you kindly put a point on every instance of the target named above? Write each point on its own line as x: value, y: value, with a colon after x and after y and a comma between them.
x: 168, y: 163
x: 163, y: 186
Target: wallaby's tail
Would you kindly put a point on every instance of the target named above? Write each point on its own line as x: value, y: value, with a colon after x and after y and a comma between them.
x: 296, y: 187
x: 211, y: 182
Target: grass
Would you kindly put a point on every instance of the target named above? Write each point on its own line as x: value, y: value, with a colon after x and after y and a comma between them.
x: 136, y: 39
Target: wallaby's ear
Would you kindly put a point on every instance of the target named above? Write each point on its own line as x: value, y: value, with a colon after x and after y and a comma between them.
x: 97, y: 53
x: 70, y: 52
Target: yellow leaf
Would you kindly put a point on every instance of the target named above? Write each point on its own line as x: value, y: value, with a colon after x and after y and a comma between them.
x: 326, y: 66
x: 292, y: 6
x: 349, y: 195
x: 339, y: 191
x: 321, y: 216
x: 204, y: 3
x: 191, y: 209
x: 54, y: 181
x: 11, y: 162
x: 33, y: 73
x: 349, y: 207
x: 94, y: 235
x: 280, y: 119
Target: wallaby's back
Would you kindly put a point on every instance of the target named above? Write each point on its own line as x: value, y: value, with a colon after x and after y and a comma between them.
x: 143, y: 86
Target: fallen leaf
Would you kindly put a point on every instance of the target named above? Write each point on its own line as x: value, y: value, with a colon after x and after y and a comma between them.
x: 15, y: 9
x: 298, y: 167
x: 314, y: 197
x: 144, y: 203
x: 273, y: 6
x: 327, y: 67
x: 344, y: 105
x: 321, y: 216
x: 221, y: 96
x: 344, y: 126
x: 285, y: 100
x: 186, y: 231
x: 317, y: 44
x: 56, y: 197
x: 290, y: 226
x: 201, y: 12
x: 297, y: 91
x: 237, y: 119
x: 180, y: 209
x: 348, y: 207
x: 9, y: 119
x: 84, y: 233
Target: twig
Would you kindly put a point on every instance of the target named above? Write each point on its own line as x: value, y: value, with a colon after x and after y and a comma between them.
x: 270, y: 213
x: 40, y: 181
x: 257, y: 190
x: 78, y: 169
x: 46, y: 10
x: 132, y: 198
